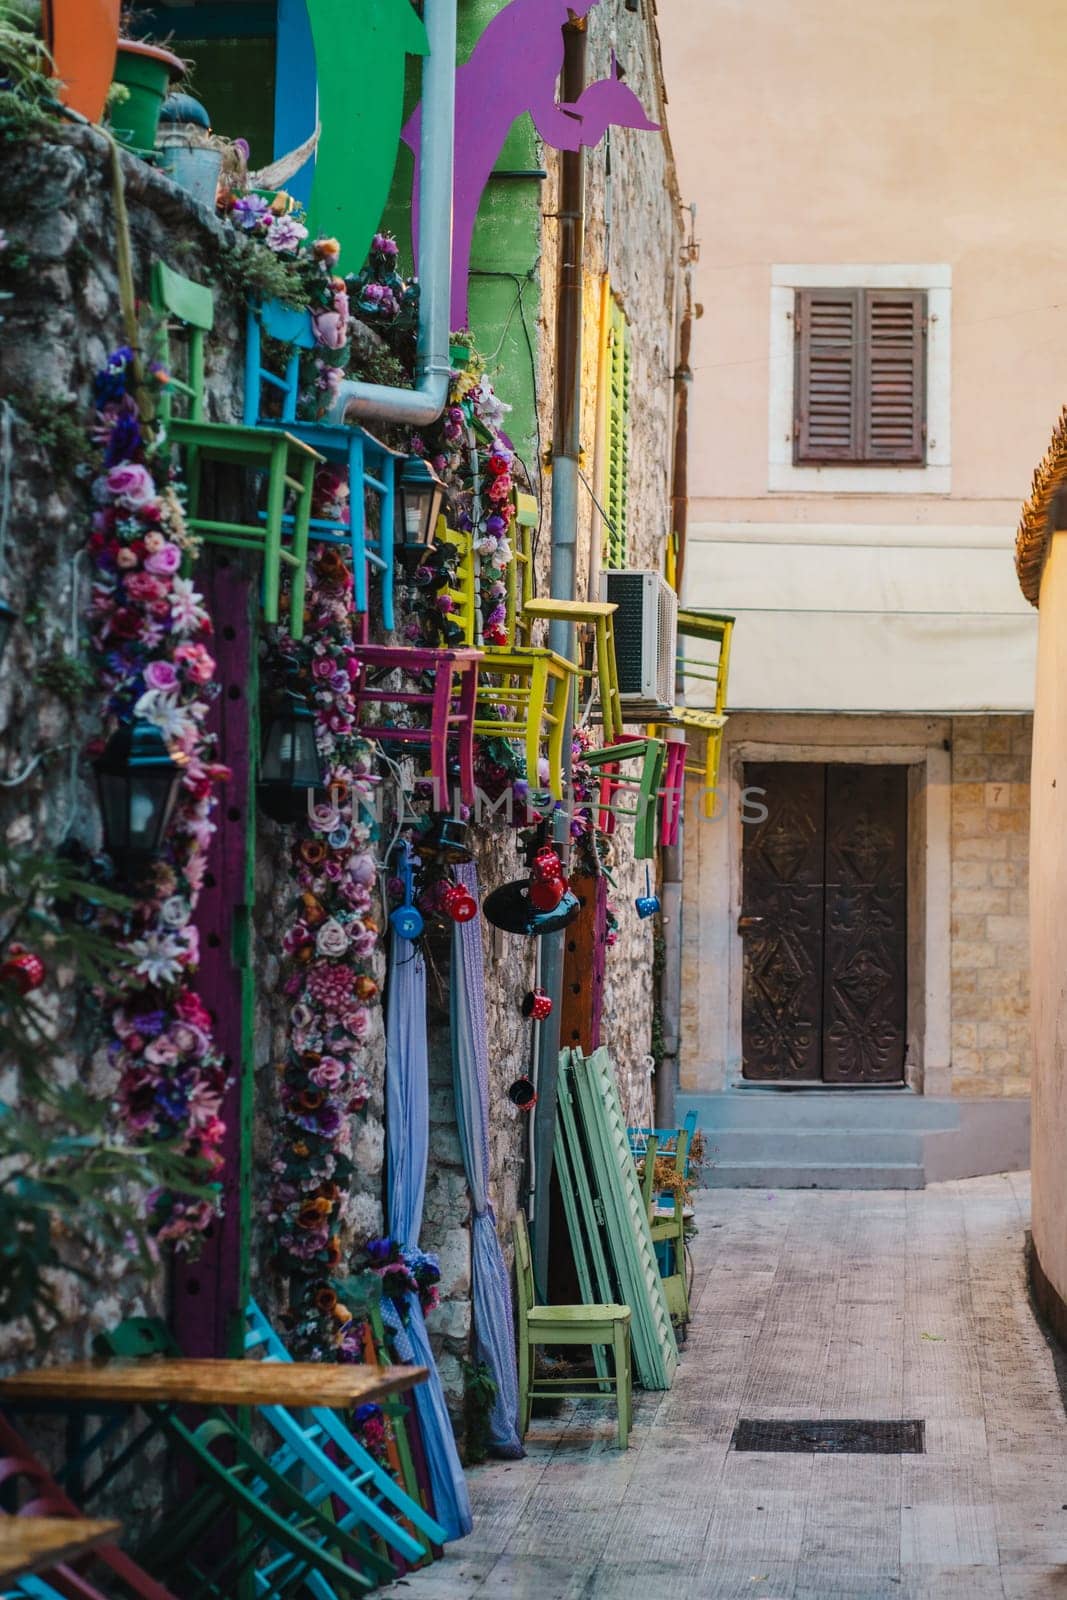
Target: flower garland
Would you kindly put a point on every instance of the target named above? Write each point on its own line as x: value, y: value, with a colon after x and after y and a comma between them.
x: 148, y: 626
x: 330, y: 944
x: 404, y: 1273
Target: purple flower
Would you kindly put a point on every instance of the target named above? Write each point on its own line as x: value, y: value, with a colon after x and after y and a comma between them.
x: 160, y: 675
x: 285, y: 234
x: 250, y: 210
x: 380, y: 1250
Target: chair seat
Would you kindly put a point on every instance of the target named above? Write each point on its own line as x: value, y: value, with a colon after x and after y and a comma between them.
x: 257, y: 441
x: 564, y: 1316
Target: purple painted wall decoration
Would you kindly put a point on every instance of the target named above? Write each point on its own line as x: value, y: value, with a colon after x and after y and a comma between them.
x: 515, y: 68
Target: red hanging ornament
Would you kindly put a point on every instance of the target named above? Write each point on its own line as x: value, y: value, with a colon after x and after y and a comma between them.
x: 546, y: 893
x: 22, y: 969
x: 496, y: 633
x: 546, y: 864
x: 537, y: 1004
x: 458, y: 903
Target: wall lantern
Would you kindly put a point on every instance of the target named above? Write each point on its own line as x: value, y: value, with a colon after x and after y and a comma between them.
x: 290, y: 767
x: 8, y: 618
x: 419, y: 496
x: 137, y: 782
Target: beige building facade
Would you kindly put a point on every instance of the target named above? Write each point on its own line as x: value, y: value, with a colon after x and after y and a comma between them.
x: 880, y: 347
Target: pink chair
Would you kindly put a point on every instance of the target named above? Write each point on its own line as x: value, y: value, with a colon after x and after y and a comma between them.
x: 671, y: 794
x: 451, y: 703
x: 40, y: 1496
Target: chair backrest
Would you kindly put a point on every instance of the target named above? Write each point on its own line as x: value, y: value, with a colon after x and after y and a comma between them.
x: 193, y: 306
x: 524, y: 1277
x: 520, y: 573
x: 260, y: 1335
x: 137, y: 1336
x: 464, y: 594
x: 290, y: 326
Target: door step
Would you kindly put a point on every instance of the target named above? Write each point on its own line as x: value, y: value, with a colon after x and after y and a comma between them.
x: 811, y: 1175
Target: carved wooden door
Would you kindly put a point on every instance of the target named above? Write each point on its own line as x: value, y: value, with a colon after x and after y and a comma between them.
x: 824, y: 919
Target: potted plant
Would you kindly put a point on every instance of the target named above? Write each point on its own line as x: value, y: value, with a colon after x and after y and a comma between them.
x: 144, y: 71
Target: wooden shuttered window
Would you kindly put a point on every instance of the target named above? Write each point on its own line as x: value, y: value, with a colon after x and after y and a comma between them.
x: 617, y: 443
x: 859, y: 392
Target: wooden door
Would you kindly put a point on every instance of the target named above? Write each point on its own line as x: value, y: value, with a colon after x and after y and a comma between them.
x: 824, y: 920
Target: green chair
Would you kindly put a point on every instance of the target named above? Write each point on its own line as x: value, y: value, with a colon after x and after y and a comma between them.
x: 667, y: 1227
x: 645, y: 789
x: 593, y: 1326
x: 288, y: 463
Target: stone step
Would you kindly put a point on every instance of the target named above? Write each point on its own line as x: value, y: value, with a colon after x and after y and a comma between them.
x: 835, y: 1147
x: 888, y: 1110
x: 859, y: 1175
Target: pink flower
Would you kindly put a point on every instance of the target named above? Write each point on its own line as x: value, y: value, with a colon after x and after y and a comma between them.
x: 166, y: 560
x: 160, y: 675
x: 327, y: 1073
x: 142, y: 586
x: 126, y: 559
x: 285, y: 234
x: 132, y: 486
x: 332, y: 940
x: 153, y: 541
x: 198, y: 662
x: 330, y: 329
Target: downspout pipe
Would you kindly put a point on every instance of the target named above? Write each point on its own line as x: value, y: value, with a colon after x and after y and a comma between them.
x: 424, y: 403
x: 566, y: 449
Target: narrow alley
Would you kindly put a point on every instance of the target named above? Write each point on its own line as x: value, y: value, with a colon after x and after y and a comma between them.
x: 807, y: 1305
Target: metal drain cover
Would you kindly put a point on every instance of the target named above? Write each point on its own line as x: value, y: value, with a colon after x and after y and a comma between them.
x: 831, y: 1437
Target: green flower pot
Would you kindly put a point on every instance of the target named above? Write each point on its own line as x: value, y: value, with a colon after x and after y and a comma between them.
x: 145, y: 70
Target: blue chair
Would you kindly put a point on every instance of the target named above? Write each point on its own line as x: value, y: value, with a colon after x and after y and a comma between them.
x: 370, y: 464
x: 639, y: 1138
x: 30, y: 1588
x: 360, y: 1482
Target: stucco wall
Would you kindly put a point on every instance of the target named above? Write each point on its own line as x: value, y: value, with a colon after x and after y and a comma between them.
x: 1048, y: 896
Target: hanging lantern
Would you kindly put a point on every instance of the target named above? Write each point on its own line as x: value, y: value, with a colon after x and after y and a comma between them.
x: 290, y: 767
x: 137, y: 783
x: 419, y: 495
x: 22, y: 969
x: 537, y: 1004
x: 458, y: 903
x: 446, y: 840
x: 510, y: 908
x: 8, y: 618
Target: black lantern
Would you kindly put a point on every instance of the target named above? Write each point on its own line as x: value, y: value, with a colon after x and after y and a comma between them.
x: 290, y: 766
x: 137, y: 781
x: 8, y: 618
x: 419, y: 494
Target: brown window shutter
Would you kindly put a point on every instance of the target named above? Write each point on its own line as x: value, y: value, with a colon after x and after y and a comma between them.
x: 894, y: 390
x: 827, y: 390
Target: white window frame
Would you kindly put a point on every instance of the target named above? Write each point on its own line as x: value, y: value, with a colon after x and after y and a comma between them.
x: 783, y: 474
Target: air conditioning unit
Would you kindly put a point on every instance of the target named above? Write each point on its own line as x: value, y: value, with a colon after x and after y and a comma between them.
x: 646, y: 640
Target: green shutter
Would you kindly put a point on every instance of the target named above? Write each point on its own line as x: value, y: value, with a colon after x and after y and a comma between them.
x: 617, y: 444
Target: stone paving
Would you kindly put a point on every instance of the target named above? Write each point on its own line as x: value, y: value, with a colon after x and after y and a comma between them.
x: 808, y: 1304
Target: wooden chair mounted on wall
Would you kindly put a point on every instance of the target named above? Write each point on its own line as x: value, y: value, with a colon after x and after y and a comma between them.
x: 714, y: 628
x: 522, y: 687
x: 597, y: 615
x: 592, y: 1326
x: 366, y: 461
x: 646, y: 788
x: 288, y: 463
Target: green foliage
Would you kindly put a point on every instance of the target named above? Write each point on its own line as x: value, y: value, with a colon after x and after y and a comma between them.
x: 67, y: 677
x: 53, y: 424
x: 479, y: 1396
x: 70, y: 1187
x: 250, y: 270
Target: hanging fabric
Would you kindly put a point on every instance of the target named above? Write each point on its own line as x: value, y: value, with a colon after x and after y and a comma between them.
x: 494, y: 1326
x: 407, y: 1124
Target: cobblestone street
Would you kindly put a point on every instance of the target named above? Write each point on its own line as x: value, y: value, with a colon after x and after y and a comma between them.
x: 808, y: 1304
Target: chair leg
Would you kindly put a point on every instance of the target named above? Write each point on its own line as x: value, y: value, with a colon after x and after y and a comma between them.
x: 526, y: 1374
x: 357, y: 521
x: 298, y: 589
x: 272, y: 532
x: 607, y: 675
x: 620, y: 1343
x: 535, y: 717
x: 440, y: 712
x: 559, y: 707
x: 387, y: 541
x: 468, y: 709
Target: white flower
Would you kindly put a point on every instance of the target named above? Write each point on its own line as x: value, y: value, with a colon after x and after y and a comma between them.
x: 332, y: 940
x: 186, y: 606
x: 158, y: 958
x: 169, y: 717
x: 175, y: 911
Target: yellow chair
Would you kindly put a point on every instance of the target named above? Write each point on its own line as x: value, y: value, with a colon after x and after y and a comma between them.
x: 527, y: 687
x: 597, y: 614
x: 714, y: 628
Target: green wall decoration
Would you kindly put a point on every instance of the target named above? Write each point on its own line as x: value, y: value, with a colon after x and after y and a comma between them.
x: 361, y: 51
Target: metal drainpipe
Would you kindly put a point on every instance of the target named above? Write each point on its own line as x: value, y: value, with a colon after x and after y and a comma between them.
x: 672, y: 858
x: 566, y: 445
x: 426, y: 401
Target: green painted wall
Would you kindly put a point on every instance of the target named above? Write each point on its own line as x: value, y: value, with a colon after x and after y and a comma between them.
x: 507, y: 248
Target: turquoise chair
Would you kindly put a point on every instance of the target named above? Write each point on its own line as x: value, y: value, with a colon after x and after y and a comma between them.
x: 370, y: 464
x: 360, y: 1482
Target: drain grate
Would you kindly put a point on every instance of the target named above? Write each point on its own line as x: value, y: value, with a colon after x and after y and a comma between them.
x: 831, y: 1437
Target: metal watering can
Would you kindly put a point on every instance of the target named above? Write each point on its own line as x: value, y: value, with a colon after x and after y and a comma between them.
x: 407, y: 920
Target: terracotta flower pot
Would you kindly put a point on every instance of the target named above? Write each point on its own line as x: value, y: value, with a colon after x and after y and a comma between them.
x: 146, y: 71
x: 82, y: 36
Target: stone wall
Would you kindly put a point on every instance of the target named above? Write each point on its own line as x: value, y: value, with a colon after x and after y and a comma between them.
x: 990, y: 917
